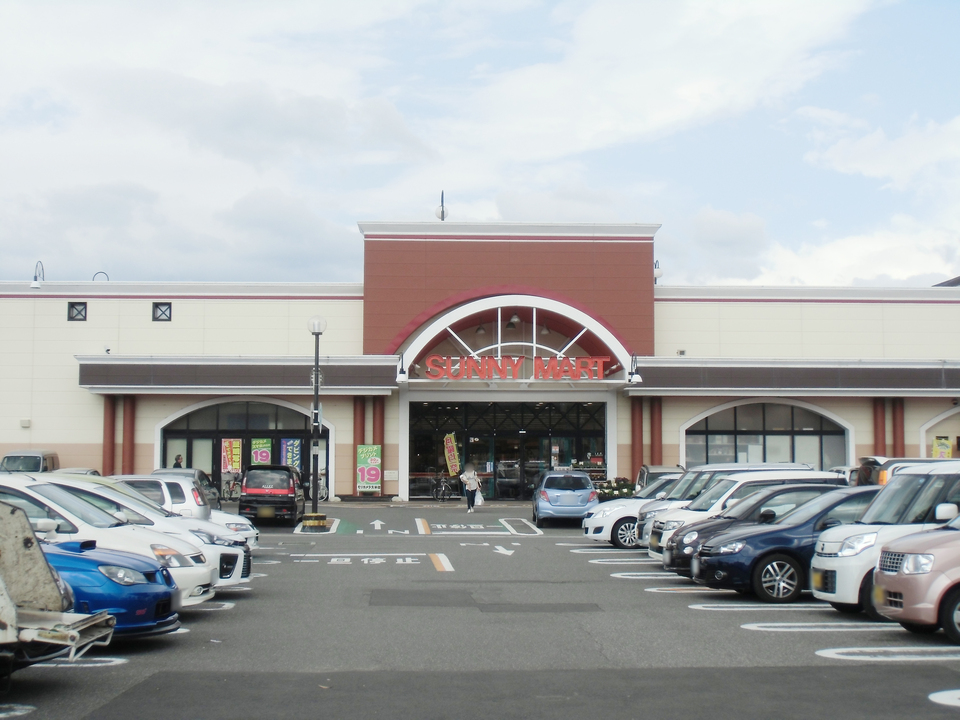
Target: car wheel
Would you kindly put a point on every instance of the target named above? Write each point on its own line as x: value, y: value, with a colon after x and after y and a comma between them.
x: 866, y: 600
x: 624, y: 534
x: 538, y: 521
x: 778, y: 579
x: 846, y: 608
x: 918, y: 629
x: 950, y: 615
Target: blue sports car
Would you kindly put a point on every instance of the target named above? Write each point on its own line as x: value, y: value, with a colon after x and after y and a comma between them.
x: 137, y: 591
x: 773, y: 560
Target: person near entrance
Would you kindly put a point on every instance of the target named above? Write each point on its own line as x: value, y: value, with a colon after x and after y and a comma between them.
x: 471, y: 484
x: 178, y: 461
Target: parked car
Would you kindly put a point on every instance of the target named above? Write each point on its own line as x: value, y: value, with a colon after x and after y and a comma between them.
x: 137, y: 591
x: 272, y: 491
x: 229, y: 521
x: 763, y: 506
x: 648, y: 473
x: 726, y: 492
x: 209, y: 489
x: 773, y: 561
x: 917, y: 581
x: 695, y: 481
x: 35, y: 603
x: 227, y: 551
x: 877, y: 470
x: 178, y: 494
x: 848, y: 471
x: 615, y: 521
x: 78, y: 471
x: 918, y: 498
x: 563, y: 494
x: 32, y: 461
x: 79, y: 520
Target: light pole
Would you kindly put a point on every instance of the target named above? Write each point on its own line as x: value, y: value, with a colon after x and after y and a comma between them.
x: 316, y: 326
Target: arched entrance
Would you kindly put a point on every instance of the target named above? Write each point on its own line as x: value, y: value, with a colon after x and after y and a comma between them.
x: 767, y: 430
x: 518, y: 384
x: 230, y: 434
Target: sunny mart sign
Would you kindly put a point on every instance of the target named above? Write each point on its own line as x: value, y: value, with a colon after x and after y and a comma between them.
x: 487, y: 367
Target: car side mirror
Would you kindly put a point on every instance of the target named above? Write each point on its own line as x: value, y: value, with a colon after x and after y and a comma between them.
x: 767, y: 516
x: 45, y: 525
x: 660, y: 496
x: 730, y: 503
x: 946, y: 511
x: 121, y: 517
x: 829, y: 523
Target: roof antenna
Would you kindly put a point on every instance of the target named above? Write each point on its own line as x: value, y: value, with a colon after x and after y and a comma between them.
x: 441, y: 212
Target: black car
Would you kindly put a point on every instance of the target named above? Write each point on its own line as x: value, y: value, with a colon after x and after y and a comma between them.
x: 773, y: 561
x: 272, y: 491
x: 764, y: 506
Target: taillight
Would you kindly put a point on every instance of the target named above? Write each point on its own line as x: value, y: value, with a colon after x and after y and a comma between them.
x: 243, y: 486
x: 593, y: 496
x: 882, y: 479
x: 544, y: 496
x: 292, y: 488
x: 196, y: 497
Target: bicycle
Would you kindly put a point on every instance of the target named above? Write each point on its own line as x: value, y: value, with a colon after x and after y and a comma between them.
x: 442, y: 489
x: 231, y: 487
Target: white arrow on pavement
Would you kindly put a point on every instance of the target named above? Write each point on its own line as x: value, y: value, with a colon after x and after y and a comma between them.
x: 503, y: 551
x: 377, y: 524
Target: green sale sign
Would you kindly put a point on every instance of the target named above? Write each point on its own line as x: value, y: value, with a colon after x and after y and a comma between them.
x: 369, y: 470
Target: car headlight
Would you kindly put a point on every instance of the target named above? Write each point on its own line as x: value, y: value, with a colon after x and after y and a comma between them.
x: 857, y: 544
x: 690, y: 537
x: 731, y: 547
x: 122, y: 575
x: 169, y: 558
x: 643, y: 517
x: 607, y: 511
x: 211, y: 539
x: 917, y: 564
x: 672, y: 525
x: 239, y: 527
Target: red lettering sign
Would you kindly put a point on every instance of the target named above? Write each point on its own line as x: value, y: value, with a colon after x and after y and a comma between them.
x: 511, y: 368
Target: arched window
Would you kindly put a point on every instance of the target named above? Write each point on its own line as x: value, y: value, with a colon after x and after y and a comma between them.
x: 766, y: 432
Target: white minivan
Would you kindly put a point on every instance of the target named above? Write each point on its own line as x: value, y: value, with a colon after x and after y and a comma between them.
x: 916, y: 498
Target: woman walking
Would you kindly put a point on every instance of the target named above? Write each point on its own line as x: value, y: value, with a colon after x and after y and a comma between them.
x: 471, y: 484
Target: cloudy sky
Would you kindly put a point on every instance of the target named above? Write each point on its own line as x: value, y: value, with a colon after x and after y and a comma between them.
x: 810, y: 142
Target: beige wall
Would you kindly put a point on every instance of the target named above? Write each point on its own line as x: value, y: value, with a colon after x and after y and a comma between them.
x: 713, y: 329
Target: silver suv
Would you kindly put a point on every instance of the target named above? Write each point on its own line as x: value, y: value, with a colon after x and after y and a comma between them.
x: 176, y: 493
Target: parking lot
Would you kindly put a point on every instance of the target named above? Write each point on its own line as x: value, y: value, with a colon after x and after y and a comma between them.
x: 423, y: 611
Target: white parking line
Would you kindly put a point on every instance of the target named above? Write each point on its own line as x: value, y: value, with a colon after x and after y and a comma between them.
x: 12, y: 711
x: 82, y: 662
x: 180, y: 631
x: 514, y: 531
x: 751, y: 606
x: 646, y: 576
x: 823, y: 627
x: 906, y: 653
x: 267, y: 562
x: 628, y: 561
x: 599, y: 551
x: 212, y: 606
x: 235, y: 588
x: 950, y: 698
x: 566, y: 544
x: 686, y: 590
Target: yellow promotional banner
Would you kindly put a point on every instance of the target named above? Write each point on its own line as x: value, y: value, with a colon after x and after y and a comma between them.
x: 941, y: 447
x: 451, y: 454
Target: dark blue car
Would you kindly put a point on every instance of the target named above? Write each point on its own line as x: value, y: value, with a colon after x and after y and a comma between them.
x: 137, y: 591
x: 773, y: 560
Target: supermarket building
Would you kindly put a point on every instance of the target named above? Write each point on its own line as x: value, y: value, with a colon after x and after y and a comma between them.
x: 532, y: 346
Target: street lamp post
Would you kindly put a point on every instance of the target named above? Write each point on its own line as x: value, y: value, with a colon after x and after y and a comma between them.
x: 316, y: 325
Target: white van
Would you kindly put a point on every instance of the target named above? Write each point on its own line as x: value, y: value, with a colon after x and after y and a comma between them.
x: 30, y: 461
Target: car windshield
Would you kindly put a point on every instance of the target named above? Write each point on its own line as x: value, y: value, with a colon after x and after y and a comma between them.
x: 111, y: 505
x: 81, y: 509
x: 267, y: 479
x: 567, y: 482
x: 808, y: 510
x: 656, y: 487
x: 132, y: 492
x: 710, y: 497
x: 21, y: 463
x: 689, y: 487
x: 903, y: 499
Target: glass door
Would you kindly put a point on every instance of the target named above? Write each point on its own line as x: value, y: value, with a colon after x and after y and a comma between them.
x: 536, y: 459
x: 506, y: 467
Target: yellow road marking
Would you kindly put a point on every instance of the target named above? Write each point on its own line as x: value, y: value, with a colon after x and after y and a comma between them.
x: 441, y: 562
x: 423, y: 527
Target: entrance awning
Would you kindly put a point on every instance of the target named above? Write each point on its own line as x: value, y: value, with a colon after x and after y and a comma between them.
x: 177, y: 375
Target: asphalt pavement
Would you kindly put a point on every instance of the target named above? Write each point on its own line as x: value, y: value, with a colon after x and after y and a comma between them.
x: 425, y: 611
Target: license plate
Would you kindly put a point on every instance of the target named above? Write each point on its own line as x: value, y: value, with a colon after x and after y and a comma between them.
x: 816, y: 579
x: 695, y: 567
x: 879, y: 596
x: 666, y: 556
x: 654, y: 541
x: 569, y: 499
x: 266, y: 512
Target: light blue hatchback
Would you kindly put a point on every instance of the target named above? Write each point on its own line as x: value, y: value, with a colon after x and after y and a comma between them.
x: 563, y: 494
